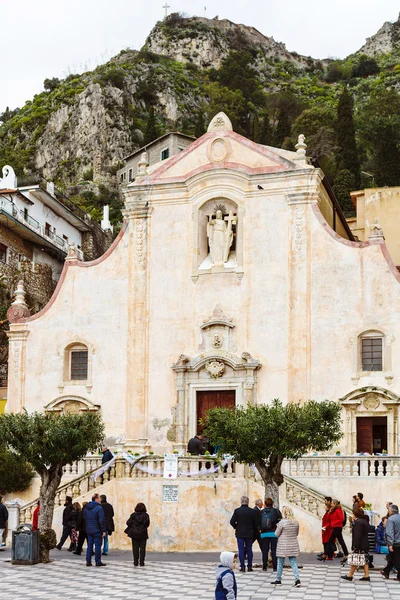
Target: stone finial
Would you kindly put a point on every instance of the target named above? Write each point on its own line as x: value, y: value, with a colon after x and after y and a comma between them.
x: 50, y: 189
x: 18, y: 310
x: 301, y: 147
x: 72, y: 252
x: 143, y: 164
x: 376, y: 232
x: 9, y: 180
x: 220, y: 123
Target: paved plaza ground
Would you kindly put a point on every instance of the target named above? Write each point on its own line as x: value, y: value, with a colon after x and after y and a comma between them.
x: 180, y: 577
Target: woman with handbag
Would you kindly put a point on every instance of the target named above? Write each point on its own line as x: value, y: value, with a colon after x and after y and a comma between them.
x: 136, y: 529
x: 359, y: 545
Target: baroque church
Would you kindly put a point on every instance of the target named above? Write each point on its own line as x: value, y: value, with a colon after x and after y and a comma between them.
x: 234, y: 280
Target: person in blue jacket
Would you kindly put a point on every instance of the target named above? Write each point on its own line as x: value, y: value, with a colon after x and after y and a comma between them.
x: 380, y: 536
x: 95, y: 529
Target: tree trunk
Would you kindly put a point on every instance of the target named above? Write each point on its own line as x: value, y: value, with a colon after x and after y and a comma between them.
x: 51, y: 479
x: 272, y: 476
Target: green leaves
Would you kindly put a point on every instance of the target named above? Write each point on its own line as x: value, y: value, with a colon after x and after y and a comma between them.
x: 46, y: 440
x: 288, y: 431
x: 15, y: 474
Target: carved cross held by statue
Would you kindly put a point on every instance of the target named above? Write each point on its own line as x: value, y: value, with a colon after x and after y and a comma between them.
x: 232, y: 220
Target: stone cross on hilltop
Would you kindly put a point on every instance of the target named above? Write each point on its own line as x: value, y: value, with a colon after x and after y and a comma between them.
x: 166, y: 6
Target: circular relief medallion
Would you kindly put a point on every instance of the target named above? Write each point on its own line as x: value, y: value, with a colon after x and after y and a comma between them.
x: 371, y: 401
x: 219, y: 150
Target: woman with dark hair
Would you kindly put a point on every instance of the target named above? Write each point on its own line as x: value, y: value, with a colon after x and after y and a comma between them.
x: 136, y: 529
x: 359, y: 543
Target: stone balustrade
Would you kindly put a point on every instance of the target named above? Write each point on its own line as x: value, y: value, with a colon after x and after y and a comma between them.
x: 150, y: 467
x: 342, y: 466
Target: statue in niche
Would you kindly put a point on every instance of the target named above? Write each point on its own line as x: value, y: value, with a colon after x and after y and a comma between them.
x: 220, y: 236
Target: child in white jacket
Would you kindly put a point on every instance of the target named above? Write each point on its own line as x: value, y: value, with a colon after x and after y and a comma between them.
x: 226, y: 588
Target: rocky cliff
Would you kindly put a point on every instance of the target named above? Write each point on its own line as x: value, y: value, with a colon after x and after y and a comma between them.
x: 80, y: 129
x: 386, y: 40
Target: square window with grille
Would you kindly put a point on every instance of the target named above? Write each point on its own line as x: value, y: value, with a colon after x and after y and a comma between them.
x: 79, y: 364
x: 165, y: 154
x: 371, y: 354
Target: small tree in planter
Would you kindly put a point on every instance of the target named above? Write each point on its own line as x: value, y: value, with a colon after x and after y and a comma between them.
x: 265, y: 435
x: 49, y: 441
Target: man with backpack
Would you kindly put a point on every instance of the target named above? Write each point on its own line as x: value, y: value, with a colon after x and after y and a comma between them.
x: 270, y: 517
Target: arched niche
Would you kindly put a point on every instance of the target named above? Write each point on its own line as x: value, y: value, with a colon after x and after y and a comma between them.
x: 71, y: 404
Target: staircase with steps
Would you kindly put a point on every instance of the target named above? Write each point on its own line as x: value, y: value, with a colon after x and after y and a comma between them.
x: 307, y: 503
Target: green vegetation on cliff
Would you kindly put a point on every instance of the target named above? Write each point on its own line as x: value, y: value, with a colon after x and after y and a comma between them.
x: 139, y: 95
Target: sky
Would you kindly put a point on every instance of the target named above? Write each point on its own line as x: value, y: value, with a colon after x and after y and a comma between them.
x: 52, y: 38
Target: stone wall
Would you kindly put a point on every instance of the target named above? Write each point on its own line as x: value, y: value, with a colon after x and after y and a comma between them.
x: 95, y: 242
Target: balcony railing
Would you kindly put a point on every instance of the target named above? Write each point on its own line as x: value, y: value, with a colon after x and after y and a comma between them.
x: 342, y: 466
x: 39, y: 228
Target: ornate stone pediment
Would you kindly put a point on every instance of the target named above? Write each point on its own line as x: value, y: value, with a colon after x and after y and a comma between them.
x: 215, y: 368
x: 71, y: 404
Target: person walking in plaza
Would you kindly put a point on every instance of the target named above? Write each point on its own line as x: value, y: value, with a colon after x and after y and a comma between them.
x: 137, y: 529
x: 66, y: 532
x: 95, y: 530
x: 359, y: 544
x: 326, y: 531
x: 380, y: 537
x: 35, y: 517
x: 109, y: 516
x: 81, y: 528
x: 245, y: 522
x: 226, y: 587
x: 3, y: 519
x: 270, y: 518
x: 73, y: 524
x: 336, y: 518
x: 258, y: 507
x: 393, y: 541
x: 287, y: 532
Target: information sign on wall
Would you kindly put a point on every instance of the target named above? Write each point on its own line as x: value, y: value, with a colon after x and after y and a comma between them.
x: 170, y: 493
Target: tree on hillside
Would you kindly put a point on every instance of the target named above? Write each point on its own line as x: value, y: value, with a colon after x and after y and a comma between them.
x: 266, y: 134
x: 49, y: 442
x: 344, y: 184
x: 151, y: 133
x: 347, y: 154
x: 380, y: 131
x: 264, y: 435
x: 318, y: 125
x: 282, y: 129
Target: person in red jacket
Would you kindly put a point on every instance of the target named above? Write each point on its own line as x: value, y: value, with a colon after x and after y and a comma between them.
x: 326, y: 530
x: 337, y: 524
x: 35, y: 517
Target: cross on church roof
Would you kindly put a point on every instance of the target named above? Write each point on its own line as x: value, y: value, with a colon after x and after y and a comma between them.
x: 166, y: 6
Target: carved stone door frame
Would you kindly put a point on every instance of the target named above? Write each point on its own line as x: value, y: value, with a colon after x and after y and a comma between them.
x: 194, y: 375
x: 370, y: 401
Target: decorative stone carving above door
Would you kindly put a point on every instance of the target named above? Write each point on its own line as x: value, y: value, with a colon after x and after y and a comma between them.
x: 216, y: 367
x: 71, y: 404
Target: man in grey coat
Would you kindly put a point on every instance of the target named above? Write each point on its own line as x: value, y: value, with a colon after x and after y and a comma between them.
x: 393, y: 538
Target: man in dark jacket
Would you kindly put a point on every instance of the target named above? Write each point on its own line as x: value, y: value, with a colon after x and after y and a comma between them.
x: 245, y: 523
x: 95, y: 530
x: 67, y: 512
x: 109, y: 517
x: 195, y: 445
x: 107, y: 455
x: 3, y: 519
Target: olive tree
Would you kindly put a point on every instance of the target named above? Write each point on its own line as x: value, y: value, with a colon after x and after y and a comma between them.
x: 266, y: 434
x: 49, y: 441
x: 16, y: 474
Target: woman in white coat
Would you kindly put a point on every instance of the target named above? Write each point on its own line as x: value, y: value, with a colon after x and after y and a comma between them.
x: 287, y: 532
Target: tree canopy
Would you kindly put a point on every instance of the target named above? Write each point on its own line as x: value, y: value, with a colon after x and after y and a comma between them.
x: 48, y: 442
x: 15, y: 473
x: 268, y: 433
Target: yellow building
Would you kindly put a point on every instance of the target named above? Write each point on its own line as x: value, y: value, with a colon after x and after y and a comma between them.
x: 378, y: 205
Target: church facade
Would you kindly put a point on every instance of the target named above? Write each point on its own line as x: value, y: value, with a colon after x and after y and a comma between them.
x: 234, y: 280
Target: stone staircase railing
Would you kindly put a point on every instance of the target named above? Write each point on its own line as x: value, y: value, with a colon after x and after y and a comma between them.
x: 308, y: 499
x: 150, y: 467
